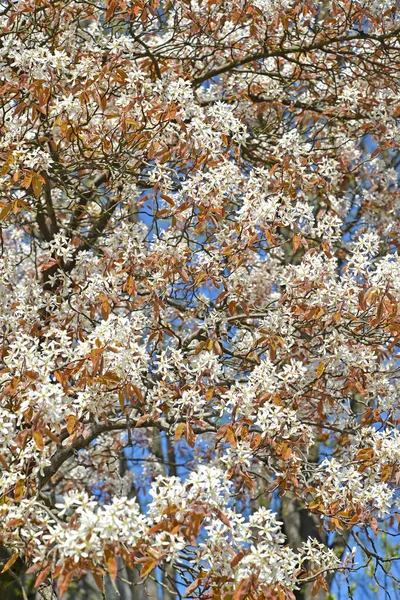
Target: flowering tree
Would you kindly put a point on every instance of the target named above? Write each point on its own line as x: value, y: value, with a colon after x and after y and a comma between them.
x: 200, y: 226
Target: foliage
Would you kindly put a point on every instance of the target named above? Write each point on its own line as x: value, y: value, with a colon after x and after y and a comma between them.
x: 200, y: 232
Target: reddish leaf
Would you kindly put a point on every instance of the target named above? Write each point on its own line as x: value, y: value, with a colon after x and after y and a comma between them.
x: 10, y: 562
x: 242, y: 589
x: 98, y: 581
x: 236, y: 559
x: 142, y: 420
x: 52, y: 436
x: 42, y: 576
x: 315, y: 588
x: 222, y: 517
x: 13, y: 522
x: 191, y: 588
x: 231, y: 436
x: 374, y: 525
x: 112, y: 566
x: 189, y: 435
x: 64, y: 581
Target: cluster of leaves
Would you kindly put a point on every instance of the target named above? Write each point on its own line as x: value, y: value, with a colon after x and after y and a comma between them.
x: 200, y: 232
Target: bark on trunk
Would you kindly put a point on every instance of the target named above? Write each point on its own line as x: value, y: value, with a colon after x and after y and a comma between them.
x: 299, y: 525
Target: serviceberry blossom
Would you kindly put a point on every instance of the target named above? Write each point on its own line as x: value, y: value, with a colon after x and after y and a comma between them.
x: 199, y: 297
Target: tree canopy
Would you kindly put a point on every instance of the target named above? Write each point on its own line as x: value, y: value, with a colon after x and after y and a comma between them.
x: 200, y: 286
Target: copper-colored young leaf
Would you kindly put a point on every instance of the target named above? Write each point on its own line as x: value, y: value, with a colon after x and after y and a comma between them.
x: 64, y: 581
x: 42, y: 576
x: 316, y: 587
x: 374, y: 525
x: 222, y: 517
x: 10, y: 562
x: 238, y: 557
x: 190, y: 588
x: 190, y: 435
x: 242, y: 589
x: 112, y: 566
x: 142, y: 419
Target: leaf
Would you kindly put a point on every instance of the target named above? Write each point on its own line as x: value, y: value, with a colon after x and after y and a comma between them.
x: 374, y: 525
x: 189, y: 435
x: 148, y: 567
x: 130, y: 285
x: 19, y: 490
x: 98, y: 580
x: 184, y: 275
x: 320, y: 369
x: 365, y: 454
x: 296, y: 242
x: 71, y: 423
x: 5, y: 212
x: 386, y: 471
x: 242, y: 589
x: 37, y: 436
x: 248, y: 481
x: 138, y: 393
x: 27, y: 179
x: 168, y: 199
x: 105, y: 308
x: 222, y: 517
x: 112, y: 566
x: 64, y: 581
x: 231, y: 436
x: 209, y: 394
x: 232, y: 307
x: 48, y: 264
x: 157, y: 527
x: 286, y: 451
x: 13, y: 523
x: 52, y: 436
x: 195, y: 584
x: 316, y: 587
x: 199, y: 348
x: 398, y: 521
x: 42, y: 576
x: 179, y: 431
x: 32, y: 375
x: 10, y: 562
x: 319, y: 583
x: 142, y: 420
x: 236, y: 559
x: 218, y: 348
x: 37, y: 184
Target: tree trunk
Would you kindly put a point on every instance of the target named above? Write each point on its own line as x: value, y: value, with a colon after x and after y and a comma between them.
x: 299, y: 525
